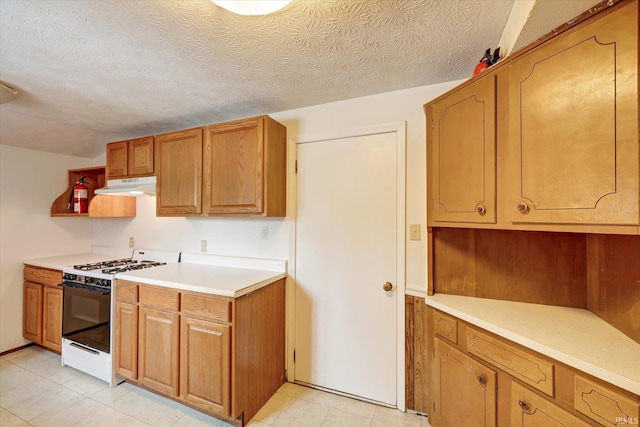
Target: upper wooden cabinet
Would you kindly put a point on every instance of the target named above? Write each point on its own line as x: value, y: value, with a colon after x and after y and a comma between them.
x: 564, y: 118
x: 130, y: 158
x: 462, y: 157
x: 573, y: 126
x: 179, y: 173
x: 236, y: 168
x: 245, y: 168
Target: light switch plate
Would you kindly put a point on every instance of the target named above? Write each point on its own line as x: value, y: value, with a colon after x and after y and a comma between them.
x: 414, y: 232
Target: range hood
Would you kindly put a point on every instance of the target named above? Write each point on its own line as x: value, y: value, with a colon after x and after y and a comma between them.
x: 129, y: 186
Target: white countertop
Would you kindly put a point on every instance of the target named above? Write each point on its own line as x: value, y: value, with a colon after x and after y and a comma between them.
x: 98, y: 254
x: 212, y: 279
x: 572, y: 336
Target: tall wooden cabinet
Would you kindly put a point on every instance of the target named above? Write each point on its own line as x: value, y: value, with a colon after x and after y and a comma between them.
x: 462, y: 158
x: 573, y: 126
x: 130, y: 158
x: 42, y: 307
x: 179, y: 173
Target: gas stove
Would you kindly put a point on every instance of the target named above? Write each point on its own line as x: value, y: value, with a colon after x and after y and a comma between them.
x: 88, y: 308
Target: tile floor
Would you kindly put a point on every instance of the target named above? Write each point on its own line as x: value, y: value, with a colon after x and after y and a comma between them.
x: 36, y: 391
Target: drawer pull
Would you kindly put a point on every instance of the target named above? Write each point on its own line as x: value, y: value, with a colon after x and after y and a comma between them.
x: 523, y: 405
x: 523, y: 208
x: 482, y: 380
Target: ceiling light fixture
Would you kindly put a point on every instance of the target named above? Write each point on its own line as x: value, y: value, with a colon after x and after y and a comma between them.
x: 252, y: 7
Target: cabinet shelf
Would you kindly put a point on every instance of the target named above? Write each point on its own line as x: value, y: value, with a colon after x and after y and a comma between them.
x: 99, y: 205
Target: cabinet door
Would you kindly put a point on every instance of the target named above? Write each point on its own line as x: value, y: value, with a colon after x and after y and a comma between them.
x: 204, y: 365
x: 141, y: 156
x: 528, y: 409
x: 117, y: 153
x: 126, y: 344
x: 179, y: 173
x: 573, y: 139
x: 233, y: 169
x: 158, y: 350
x: 52, y: 318
x: 462, y: 155
x: 464, y: 390
x: 32, y: 312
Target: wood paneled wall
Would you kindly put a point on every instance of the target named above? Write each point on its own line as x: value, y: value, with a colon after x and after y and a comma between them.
x: 525, y: 266
x: 613, y: 281
x: 417, y: 361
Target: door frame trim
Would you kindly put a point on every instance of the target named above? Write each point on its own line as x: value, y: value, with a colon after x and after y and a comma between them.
x: 399, y: 129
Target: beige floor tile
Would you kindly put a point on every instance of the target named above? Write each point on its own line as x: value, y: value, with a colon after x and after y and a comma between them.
x: 301, y: 413
x: 273, y: 408
x: 7, y: 367
x: 85, y: 384
x: 7, y: 419
x: 30, y: 389
x: 57, y: 399
x: 85, y: 409
x: 133, y: 402
x: 358, y: 407
x: 289, y: 389
x: 392, y: 417
x: 17, y: 377
x: 108, y: 395
x: 337, y: 418
x: 29, y: 355
x: 195, y: 418
x: 162, y: 413
x: 315, y: 396
x: 425, y: 422
x: 109, y: 417
x: 254, y: 423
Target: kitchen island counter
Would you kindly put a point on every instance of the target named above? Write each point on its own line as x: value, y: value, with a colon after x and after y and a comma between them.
x: 573, y: 336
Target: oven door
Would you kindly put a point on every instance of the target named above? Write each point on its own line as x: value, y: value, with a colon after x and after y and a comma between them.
x: 86, y: 316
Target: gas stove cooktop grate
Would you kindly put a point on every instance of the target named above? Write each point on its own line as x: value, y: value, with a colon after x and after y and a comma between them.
x: 105, y: 264
x: 132, y: 267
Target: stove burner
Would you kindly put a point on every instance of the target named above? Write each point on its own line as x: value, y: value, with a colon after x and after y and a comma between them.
x: 104, y: 264
x: 131, y: 267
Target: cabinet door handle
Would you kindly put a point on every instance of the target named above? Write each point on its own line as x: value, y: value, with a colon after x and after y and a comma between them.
x: 523, y: 405
x: 482, y: 380
x: 523, y: 208
x: 481, y: 210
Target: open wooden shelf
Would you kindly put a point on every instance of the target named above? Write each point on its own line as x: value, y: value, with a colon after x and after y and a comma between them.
x: 99, y: 205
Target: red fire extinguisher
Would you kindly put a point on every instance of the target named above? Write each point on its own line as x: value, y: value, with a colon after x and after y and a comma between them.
x: 80, y: 197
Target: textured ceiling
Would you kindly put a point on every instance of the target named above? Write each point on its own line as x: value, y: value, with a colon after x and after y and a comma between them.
x: 95, y: 71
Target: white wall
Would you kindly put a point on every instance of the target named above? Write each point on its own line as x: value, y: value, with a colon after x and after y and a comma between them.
x: 29, y: 183
x: 241, y: 236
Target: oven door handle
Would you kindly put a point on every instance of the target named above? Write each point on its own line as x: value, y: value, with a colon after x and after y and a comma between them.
x: 86, y: 288
x: 87, y: 349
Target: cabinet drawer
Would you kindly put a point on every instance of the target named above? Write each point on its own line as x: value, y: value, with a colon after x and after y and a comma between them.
x: 126, y: 291
x: 43, y: 276
x: 206, y: 306
x: 526, y: 367
x: 446, y: 327
x: 160, y: 298
x: 530, y: 409
x: 604, y: 405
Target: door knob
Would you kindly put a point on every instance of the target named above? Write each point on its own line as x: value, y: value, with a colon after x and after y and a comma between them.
x: 387, y: 286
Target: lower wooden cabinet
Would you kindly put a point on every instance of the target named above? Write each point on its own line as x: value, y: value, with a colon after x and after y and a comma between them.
x: 52, y: 318
x: 221, y: 355
x: 42, y: 307
x: 158, y: 350
x: 467, y: 389
x: 530, y: 409
x: 205, y: 351
x: 481, y: 379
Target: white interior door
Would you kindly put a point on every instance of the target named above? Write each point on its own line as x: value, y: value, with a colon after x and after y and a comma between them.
x: 346, y: 240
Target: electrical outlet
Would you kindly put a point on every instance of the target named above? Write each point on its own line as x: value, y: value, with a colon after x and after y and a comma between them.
x: 264, y: 233
x: 414, y: 231
x: 131, y: 242
x: 203, y: 245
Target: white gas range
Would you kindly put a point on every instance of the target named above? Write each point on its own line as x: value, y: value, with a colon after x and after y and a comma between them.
x: 88, y: 307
